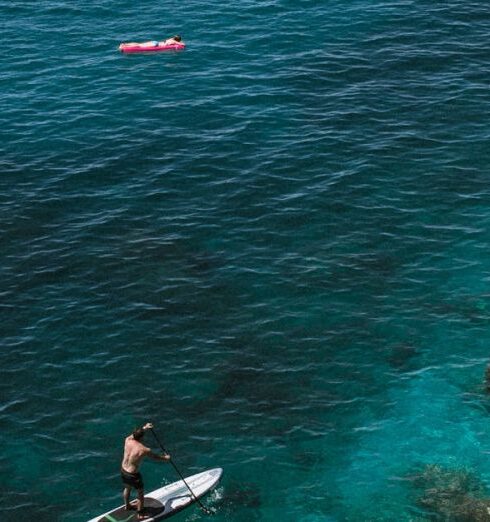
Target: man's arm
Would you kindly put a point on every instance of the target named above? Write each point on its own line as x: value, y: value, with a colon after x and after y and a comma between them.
x: 156, y: 456
x: 148, y: 452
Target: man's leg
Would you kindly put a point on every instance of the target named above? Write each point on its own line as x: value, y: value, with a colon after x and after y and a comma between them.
x: 140, y: 503
x: 126, y: 493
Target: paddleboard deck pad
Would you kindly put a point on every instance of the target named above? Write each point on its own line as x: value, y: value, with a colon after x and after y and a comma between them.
x: 168, y: 500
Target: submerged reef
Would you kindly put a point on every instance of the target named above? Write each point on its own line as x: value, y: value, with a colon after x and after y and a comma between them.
x: 401, y: 356
x: 487, y: 379
x: 453, y: 495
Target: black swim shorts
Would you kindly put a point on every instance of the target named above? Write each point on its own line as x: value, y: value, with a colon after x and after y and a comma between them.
x: 132, y: 480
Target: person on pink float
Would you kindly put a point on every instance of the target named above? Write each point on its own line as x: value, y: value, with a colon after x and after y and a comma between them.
x: 175, y: 40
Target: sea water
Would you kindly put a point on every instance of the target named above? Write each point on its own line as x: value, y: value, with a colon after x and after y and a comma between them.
x: 273, y: 245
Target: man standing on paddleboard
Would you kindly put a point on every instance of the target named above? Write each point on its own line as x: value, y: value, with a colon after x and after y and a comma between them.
x: 134, y: 452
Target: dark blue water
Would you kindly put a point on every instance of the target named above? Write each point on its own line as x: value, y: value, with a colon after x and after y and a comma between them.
x: 273, y: 245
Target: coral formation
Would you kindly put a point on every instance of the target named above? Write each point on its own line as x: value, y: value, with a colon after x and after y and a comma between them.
x: 453, y: 495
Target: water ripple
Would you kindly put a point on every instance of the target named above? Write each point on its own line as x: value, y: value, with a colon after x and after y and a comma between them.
x: 273, y: 244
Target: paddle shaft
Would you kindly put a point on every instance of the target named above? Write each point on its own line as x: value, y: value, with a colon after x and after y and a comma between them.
x: 204, y: 508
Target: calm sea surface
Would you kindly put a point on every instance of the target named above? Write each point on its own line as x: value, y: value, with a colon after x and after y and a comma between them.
x: 274, y: 245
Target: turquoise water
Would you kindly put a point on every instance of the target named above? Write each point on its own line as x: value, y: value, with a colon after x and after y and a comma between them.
x: 273, y: 245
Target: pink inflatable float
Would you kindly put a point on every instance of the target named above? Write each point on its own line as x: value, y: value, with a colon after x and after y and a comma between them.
x: 150, y: 47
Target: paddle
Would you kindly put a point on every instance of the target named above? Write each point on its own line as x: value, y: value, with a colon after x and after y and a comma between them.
x: 203, y: 507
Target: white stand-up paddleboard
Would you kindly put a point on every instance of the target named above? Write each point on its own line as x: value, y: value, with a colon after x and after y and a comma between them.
x: 165, y: 502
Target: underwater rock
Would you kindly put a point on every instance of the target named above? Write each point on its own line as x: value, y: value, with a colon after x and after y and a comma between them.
x: 487, y: 379
x: 452, y: 494
x: 401, y: 356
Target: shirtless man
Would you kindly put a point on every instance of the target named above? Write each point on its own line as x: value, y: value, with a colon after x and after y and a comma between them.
x: 134, y: 452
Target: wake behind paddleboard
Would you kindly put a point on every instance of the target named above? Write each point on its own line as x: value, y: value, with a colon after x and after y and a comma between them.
x: 168, y: 500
